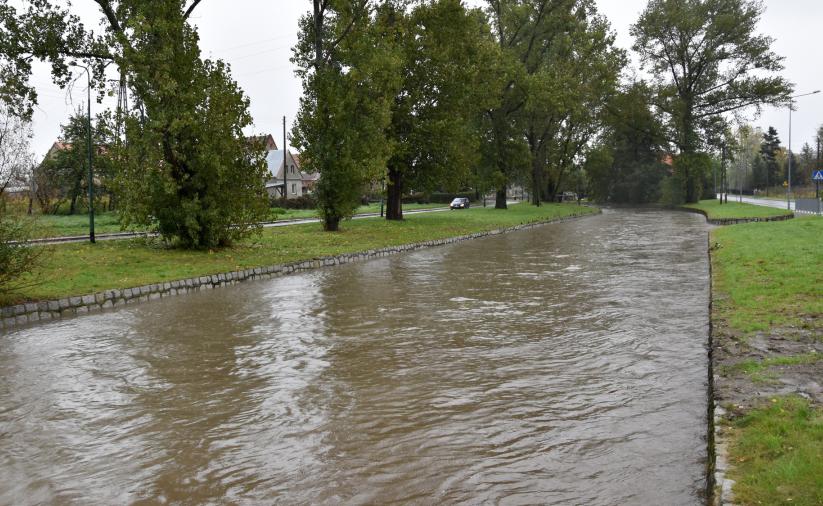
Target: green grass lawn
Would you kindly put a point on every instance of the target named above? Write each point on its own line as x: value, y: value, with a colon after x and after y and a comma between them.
x: 48, y: 225
x: 778, y: 454
x: 293, y: 214
x: 74, y: 269
x: 769, y: 274
x: 717, y: 211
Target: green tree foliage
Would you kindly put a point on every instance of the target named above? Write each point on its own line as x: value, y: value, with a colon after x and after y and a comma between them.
x: 587, y: 72
x: 562, y: 67
x: 63, y: 175
x: 803, y: 165
x: 626, y: 165
x: 449, y: 77
x: 769, y: 151
x: 709, y: 61
x: 350, y: 73
x: 187, y: 168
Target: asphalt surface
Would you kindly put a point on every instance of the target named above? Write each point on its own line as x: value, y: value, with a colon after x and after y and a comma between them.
x: 779, y: 204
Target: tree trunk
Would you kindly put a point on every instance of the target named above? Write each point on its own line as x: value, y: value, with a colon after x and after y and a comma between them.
x: 500, y: 199
x: 537, y: 180
x: 394, y: 195
x: 331, y: 223
x: 73, y: 205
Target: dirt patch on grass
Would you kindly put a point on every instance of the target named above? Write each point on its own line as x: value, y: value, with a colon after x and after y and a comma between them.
x: 750, y: 370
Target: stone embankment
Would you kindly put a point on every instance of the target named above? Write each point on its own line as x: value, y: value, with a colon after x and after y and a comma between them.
x: 34, y: 312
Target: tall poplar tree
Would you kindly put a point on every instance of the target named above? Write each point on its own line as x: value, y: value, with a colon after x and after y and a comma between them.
x: 707, y: 60
x: 349, y: 73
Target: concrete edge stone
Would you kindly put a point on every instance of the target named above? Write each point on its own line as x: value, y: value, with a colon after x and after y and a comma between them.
x: 41, y: 311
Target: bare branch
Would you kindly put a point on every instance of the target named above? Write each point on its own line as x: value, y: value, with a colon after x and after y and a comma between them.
x: 191, y: 8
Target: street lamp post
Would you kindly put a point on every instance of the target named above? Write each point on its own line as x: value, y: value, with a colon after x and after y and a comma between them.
x: 789, y: 186
x: 88, y: 145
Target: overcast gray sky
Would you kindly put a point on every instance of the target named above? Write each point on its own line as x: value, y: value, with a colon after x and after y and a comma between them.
x: 256, y: 36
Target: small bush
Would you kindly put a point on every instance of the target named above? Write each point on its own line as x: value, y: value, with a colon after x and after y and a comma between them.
x: 16, y: 259
x: 301, y: 202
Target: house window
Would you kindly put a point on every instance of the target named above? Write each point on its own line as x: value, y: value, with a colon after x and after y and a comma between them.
x: 293, y: 189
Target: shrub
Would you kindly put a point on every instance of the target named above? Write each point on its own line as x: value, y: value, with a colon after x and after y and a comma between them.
x: 301, y: 202
x: 16, y: 259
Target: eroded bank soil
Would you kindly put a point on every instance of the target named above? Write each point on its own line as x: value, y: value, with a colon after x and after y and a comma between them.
x: 790, y: 362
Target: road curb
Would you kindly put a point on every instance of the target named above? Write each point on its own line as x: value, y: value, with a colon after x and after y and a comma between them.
x: 42, y: 311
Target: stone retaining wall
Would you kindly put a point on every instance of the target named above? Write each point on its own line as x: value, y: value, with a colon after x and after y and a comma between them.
x: 33, y: 312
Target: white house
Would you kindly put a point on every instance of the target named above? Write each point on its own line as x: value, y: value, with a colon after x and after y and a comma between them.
x: 293, y: 178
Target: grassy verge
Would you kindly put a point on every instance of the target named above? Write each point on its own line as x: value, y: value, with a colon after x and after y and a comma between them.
x: 47, y: 225
x: 294, y: 214
x: 717, y: 211
x: 778, y: 454
x: 74, y: 269
x: 767, y: 314
x: 769, y: 274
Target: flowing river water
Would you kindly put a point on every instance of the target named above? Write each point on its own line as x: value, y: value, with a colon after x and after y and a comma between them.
x: 565, y: 364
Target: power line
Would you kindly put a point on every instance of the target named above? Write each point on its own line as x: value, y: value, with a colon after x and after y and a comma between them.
x: 253, y: 43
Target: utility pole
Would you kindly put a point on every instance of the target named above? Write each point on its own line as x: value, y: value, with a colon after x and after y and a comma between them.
x: 817, y: 183
x: 791, y: 107
x: 789, y: 187
x: 285, y: 165
x: 88, y: 145
x: 739, y: 170
x: 722, y: 171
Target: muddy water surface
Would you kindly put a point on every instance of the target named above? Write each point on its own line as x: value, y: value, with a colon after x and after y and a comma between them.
x: 566, y: 364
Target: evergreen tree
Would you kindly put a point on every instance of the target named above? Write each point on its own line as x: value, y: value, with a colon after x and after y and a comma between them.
x: 769, y: 149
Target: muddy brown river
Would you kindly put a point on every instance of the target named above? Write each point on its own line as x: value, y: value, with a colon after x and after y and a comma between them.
x: 561, y: 365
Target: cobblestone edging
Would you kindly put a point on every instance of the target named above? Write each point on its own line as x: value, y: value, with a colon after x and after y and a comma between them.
x: 34, y: 312
x: 736, y: 221
x: 718, y: 486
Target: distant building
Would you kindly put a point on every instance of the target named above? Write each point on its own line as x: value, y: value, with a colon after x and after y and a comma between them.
x: 266, y: 140
x: 293, y: 180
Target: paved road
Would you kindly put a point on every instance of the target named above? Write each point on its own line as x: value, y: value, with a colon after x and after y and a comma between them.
x: 780, y: 204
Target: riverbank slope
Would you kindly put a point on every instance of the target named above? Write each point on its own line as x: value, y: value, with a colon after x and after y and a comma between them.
x: 767, y: 318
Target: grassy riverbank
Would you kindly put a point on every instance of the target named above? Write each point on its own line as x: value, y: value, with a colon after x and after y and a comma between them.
x: 768, y: 356
x: 731, y: 210
x: 776, y: 452
x: 74, y: 269
x: 769, y: 275
x: 374, y: 207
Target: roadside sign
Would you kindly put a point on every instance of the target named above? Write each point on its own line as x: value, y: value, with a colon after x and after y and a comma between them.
x: 817, y: 175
